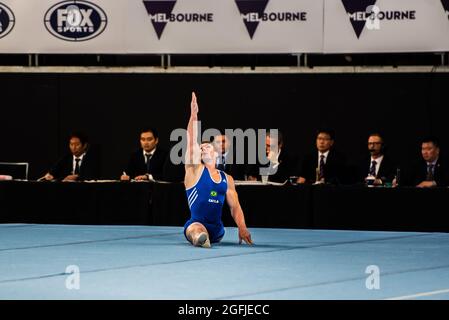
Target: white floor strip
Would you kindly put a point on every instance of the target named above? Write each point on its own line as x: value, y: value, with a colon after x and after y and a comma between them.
x: 418, y: 295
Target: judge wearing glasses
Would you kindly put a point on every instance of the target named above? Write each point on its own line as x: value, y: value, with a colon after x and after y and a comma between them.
x: 377, y: 168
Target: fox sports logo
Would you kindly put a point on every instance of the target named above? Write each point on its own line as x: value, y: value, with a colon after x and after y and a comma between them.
x: 75, y: 20
x: 7, y: 20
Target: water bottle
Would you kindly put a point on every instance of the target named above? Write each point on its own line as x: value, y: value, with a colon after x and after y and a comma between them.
x: 398, y: 177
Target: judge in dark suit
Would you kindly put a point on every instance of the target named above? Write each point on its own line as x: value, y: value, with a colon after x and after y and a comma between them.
x: 377, y: 165
x: 147, y: 163
x: 325, y: 165
x: 282, y: 164
x: 80, y: 164
x: 430, y: 171
x: 226, y: 160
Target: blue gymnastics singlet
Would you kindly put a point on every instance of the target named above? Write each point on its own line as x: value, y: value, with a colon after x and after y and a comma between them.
x: 206, y: 199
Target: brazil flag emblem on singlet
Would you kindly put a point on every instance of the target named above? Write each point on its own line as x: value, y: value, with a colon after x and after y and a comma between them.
x: 213, y: 193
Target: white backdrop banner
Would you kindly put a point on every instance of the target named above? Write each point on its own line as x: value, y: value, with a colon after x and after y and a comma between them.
x: 161, y: 26
x: 386, y: 26
x: 223, y: 26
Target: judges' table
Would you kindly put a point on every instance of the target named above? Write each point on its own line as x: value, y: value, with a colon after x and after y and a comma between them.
x: 363, y: 208
x: 144, y: 203
x: 75, y: 202
x: 263, y: 205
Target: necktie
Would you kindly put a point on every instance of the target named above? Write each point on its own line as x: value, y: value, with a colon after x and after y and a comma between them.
x: 77, y: 166
x: 430, y: 176
x: 321, y: 174
x: 223, y: 161
x: 148, y: 162
x: 372, y: 170
x: 221, y: 165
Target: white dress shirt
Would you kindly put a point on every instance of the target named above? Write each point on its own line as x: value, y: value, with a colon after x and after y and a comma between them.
x: 150, y: 153
x: 221, y: 156
x: 274, y: 158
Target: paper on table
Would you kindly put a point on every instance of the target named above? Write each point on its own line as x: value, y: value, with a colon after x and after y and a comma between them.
x: 100, y: 181
x: 258, y: 183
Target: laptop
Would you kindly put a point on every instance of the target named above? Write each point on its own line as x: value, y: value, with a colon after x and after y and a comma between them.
x: 17, y: 170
